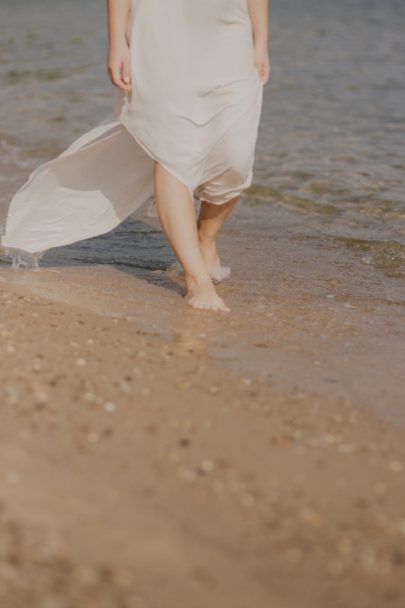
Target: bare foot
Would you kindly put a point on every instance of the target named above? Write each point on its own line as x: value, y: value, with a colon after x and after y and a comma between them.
x: 212, y: 262
x: 204, y: 297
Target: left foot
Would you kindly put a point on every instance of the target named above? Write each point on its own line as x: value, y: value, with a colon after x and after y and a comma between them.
x: 204, y: 296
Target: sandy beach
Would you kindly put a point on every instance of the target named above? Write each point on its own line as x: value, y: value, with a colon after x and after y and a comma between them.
x: 153, y: 456
x: 137, y: 472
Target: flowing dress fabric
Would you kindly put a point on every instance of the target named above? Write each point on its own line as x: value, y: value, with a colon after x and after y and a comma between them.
x: 194, y: 106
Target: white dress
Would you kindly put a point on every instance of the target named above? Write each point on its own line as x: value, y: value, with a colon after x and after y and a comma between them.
x: 194, y: 106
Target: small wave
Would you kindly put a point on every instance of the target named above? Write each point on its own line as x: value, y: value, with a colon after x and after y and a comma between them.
x: 21, y: 258
x: 305, y: 205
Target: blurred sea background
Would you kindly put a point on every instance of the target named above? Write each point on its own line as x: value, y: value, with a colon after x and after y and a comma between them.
x: 328, y: 193
x: 332, y: 134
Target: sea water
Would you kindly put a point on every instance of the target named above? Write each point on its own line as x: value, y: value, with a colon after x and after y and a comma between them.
x: 332, y: 134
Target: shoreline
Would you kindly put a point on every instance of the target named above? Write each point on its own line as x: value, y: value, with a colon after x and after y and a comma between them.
x: 129, y: 459
x: 313, y: 317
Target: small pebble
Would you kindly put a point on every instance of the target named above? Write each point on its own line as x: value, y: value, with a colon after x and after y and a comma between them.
x: 81, y: 362
x: 246, y: 381
x: 89, y: 396
x: 311, y: 517
x: 395, y: 466
x: 183, y: 386
x: 207, y: 466
x: 36, y: 365
x: 109, y: 406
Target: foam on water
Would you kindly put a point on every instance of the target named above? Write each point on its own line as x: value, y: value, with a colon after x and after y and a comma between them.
x: 23, y: 259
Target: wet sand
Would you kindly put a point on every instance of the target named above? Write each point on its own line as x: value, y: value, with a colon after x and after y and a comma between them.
x: 141, y: 467
x: 310, y: 311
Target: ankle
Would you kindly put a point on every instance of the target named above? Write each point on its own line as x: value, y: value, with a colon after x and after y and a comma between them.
x: 206, y: 239
x: 199, y: 282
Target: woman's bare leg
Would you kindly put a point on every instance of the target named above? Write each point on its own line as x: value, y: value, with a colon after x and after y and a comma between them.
x: 176, y: 213
x: 210, y: 220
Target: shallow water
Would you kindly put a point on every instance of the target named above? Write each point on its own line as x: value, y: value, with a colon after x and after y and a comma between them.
x: 318, y: 245
x: 333, y: 125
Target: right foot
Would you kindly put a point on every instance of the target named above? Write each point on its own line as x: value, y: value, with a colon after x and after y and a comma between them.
x: 212, y: 262
x: 204, y: 297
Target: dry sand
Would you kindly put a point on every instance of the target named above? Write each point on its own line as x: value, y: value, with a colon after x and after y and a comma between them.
x: 137, y: 472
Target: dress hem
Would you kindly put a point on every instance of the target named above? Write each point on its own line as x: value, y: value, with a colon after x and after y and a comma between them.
x: 155, y: 158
